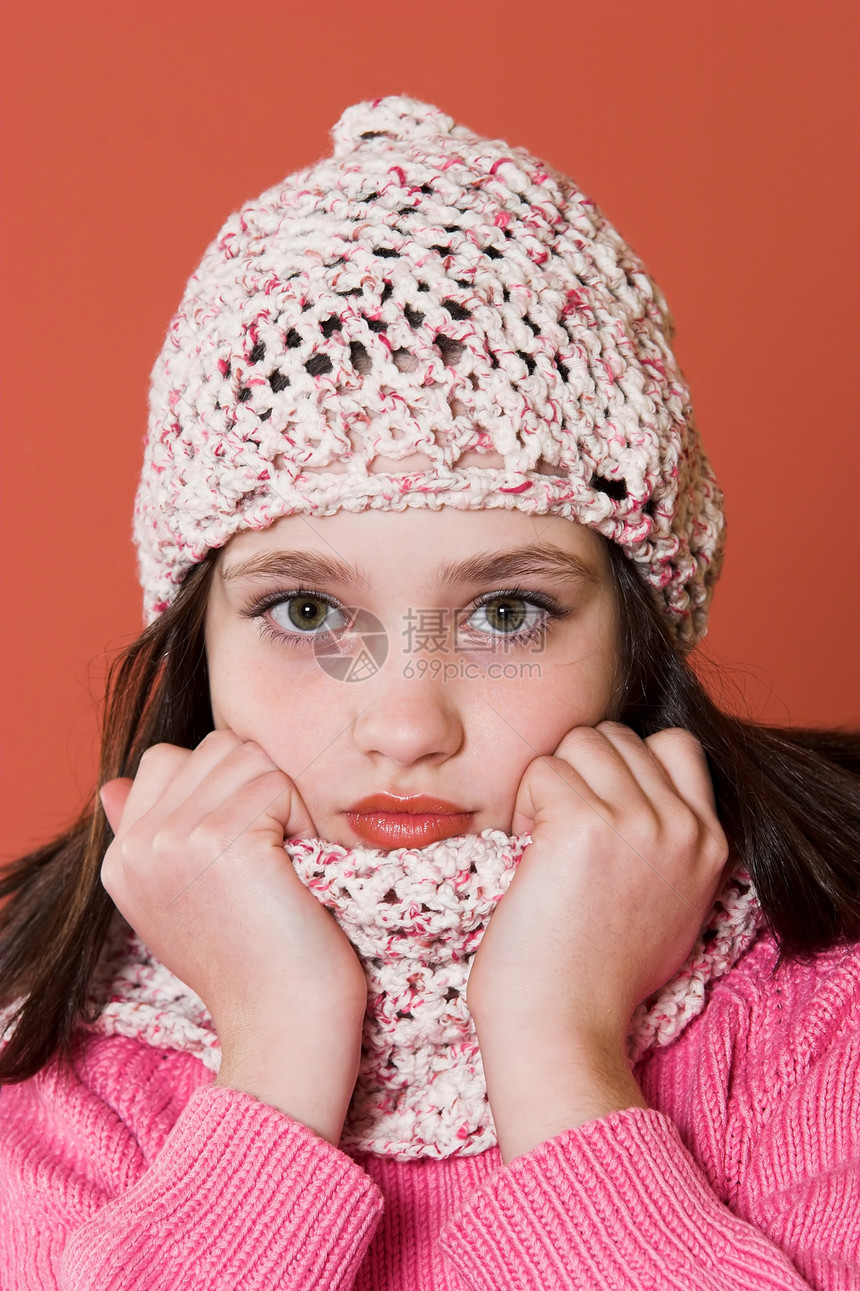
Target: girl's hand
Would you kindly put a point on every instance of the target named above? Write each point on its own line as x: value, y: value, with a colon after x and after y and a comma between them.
x: 626, y: 858
x: 198, y: 868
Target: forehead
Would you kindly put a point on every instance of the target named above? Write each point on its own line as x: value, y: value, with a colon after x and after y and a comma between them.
x: 420, y: 542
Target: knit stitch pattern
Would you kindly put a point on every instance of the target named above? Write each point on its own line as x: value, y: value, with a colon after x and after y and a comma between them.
x: 426, y: 291
x: 415, y: 917
x: 131, y: 1172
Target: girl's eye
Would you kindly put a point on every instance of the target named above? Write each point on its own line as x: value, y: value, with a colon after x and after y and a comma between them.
x: 504, y: 615
x: 514, y: 617
x: 307, y: 615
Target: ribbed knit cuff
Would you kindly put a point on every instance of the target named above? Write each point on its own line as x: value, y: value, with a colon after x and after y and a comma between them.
x: 240, y: 1196
x: 617, y: 1203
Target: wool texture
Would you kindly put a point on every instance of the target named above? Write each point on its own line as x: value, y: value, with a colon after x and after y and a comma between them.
x: 426, y: 291
x: 415, y: 917
x: 132, y: 1172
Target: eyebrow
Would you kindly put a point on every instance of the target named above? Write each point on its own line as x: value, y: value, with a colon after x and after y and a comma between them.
x: 536, y: 560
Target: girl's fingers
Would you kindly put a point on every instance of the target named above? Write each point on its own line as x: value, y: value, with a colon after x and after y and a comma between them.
x: 114, y: 796
x: 231, y: 801
x: 178, y: 782
x: 216, y: 791
x: 244, y: 788
x: 685, y: 765
x: 170, y: 775
x: 612, y: 762
x: 160, y: 767
x: 669, y: 764
x: 655, y: 794
x: 547, y: 784
x: 585, y: 764
x: 194, y: 805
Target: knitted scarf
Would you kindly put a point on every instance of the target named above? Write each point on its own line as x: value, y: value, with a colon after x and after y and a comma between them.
x: 415, y: 917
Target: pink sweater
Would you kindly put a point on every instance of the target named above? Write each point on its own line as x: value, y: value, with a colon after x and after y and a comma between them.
x: 746, y: 1173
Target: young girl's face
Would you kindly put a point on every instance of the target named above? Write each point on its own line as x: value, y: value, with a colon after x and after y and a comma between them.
x: 488, y: 634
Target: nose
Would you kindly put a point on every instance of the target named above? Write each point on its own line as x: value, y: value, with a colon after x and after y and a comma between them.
x: 413, y: 715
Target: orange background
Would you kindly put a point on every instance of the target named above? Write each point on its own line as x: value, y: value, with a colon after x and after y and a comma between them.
x: 719, y: 135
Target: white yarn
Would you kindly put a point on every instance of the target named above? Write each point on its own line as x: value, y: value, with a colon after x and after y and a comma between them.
x: 426, y: 291
x: 416, y: 918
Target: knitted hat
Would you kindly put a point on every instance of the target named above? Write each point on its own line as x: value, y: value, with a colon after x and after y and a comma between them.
x: 426, y: 291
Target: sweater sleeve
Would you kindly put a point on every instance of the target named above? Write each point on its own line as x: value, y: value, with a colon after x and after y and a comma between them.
x: 235, y: 1195
x: 743, y: 1175
x: 618, y: 1203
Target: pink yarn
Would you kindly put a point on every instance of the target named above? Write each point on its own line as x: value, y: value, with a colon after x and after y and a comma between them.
x: 426, y: 291
x: 130, y: 1172
x: 416, y: 918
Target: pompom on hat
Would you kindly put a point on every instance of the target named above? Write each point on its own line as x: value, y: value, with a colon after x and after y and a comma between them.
x: 426, y: 291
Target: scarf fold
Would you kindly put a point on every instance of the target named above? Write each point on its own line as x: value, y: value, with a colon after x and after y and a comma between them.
x: 415, y: 917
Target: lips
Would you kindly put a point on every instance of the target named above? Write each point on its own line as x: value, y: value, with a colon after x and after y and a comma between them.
x: 385, y: 820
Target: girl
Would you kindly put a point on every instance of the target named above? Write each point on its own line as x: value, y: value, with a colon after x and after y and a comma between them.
x: 436, y: 931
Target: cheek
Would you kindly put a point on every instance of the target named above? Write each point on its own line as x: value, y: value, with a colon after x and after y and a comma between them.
x: 537, y: 708
x: 277, y: 706
x: 541, y: 716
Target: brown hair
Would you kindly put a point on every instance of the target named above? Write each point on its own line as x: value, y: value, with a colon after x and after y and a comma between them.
x: 789, y: 801
x: 57, y: 914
